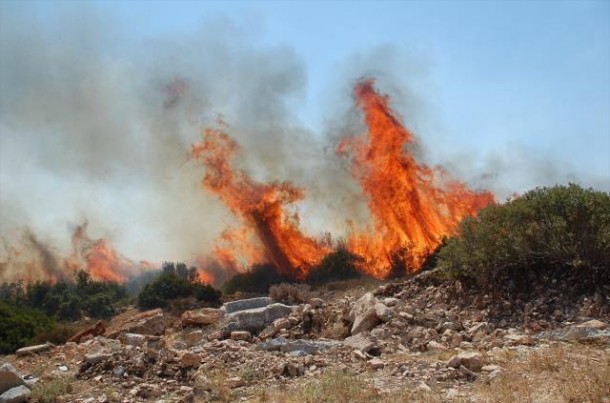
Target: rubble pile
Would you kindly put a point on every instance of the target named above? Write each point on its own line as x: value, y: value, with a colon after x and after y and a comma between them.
x: 401, y: 334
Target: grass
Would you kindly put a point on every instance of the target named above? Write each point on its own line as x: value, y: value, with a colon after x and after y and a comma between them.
x: 51, y: 391
x: 567, y: 373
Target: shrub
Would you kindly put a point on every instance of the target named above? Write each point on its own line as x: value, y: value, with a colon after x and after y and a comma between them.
x: 257, y: 280
x: 337, y: 265
x: 561, y: 232
x: 170, y: 286
x: 18, y: 325
x: 290, y: 293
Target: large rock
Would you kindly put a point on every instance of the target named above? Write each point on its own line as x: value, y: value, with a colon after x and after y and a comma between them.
x: 244, y: 304
x: 363, y: 314
x: 254, y: 320
x: 360, y: 342
x: 201, y: 317
x: 15, y: 395
x: 308, y: 346
x: 9, y: 377
x: 472, y: 360
x: 148, y: 323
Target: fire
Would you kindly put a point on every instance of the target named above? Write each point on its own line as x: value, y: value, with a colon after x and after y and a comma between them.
x: 98, y: 258
x: 263, y: 208
x: 413, y: 206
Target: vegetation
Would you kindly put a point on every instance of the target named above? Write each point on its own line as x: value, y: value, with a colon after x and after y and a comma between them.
x: 18, y: 325
x: 290, y: 293
x: 176, y: 281
x: 340, y: 264
x: 560, y: 233
x: 257, y: 280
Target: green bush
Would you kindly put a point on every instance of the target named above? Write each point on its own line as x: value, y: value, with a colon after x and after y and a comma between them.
x: 257, y: 280
x: 171, y: 285
x: 561, y: 232
x: 18, y: 325
x: 337, y: 265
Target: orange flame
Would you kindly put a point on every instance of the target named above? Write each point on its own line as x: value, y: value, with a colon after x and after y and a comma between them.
x: 413, y: 206
x: 263, y: 207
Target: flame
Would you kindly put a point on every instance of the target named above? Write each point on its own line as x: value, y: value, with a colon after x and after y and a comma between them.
x: 100, y: 259
x: 269, y: 232
x: 413, y: 206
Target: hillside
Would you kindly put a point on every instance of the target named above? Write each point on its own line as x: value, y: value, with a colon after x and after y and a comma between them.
x: 424, y: 338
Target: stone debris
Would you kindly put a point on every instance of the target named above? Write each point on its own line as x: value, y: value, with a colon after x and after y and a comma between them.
x: 400, y: 335
x: 17, y: 394
x: 96, y: 330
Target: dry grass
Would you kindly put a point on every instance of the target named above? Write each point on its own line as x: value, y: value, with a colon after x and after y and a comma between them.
x: 290, y: 293
x: 559, y: 373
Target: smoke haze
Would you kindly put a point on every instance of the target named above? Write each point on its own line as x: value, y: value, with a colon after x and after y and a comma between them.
x: 97, y: 128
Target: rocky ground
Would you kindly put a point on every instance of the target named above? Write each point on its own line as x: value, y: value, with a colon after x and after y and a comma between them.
x: 418, y: 339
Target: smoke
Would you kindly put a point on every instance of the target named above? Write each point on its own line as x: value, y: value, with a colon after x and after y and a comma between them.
x: 96, y: 127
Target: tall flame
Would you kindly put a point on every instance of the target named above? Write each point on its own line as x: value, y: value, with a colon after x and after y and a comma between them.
x: 264, y: 209
x: 413, y: 206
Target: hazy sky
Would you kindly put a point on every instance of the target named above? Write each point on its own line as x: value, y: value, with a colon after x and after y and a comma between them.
x: 507, y: 94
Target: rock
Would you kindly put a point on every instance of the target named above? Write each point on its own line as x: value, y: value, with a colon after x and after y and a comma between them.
x: 576, y: 333
x: 33, y: 349
x: 272, y: 345
x: 472, y: 360
x: 360, y: 342
x: 17, y: 394
x: 490, y: 368
x: 235, y: 382
x: 364, y: 314
x: 390, y: 301
x: 375, y: 364
x: 244, y: 304
x: 292, y: 369
x: 593, y: 324
x: 384, y: 313
x: 147, y: 323
x: 194, y: 337
x: 424, y: 386
x: 433, y: 345
x: 281, y: 324
x: 256, y: 319
x: 359, y: 355
x: 9, y: 377
x: 519, y: 339
x: 308, y: 346
x: 201, y: 317
x: 190, y: 360
x: 452, y: 393
x: 133, y: 339
x: 241, y: 335
x: 94, y: 358
x: 96, y: 330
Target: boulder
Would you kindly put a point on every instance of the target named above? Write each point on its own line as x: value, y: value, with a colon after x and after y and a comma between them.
x: 190, y: 360
x: 272, y: 345
x: 17, y: 394
x: 472, y: 360
x: 201, y: 317
x: 194, y: 337
x: 375, y: 363
x: 9, y: 377
x: 241, y: 335
x: 254, y: 320
x: 147, y: 323
x: 363, y: 314
x: 133, y: 339
x: 594, y: 324
x: 360, y: 342
x: 96, y: 330
x: 97, y: 357
x: 384, y: 313
x: 244, y: 304
x: 308, y: 346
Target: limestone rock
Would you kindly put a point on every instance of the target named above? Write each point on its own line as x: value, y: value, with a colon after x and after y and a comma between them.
x: 364, y: 314
x: 9, y: 377
x: 244, y: 304
x: 241, y: 335
x: 256, y: 319
x: 201, y: 317
x: 470, y: 359
x: 33, y: 349
x: 17, y: 394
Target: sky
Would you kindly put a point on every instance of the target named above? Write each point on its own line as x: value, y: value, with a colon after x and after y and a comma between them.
x: 507, y: 95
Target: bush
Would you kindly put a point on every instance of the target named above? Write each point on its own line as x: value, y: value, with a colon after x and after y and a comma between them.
x: 170, y: 286
x: 257, y: 280
x: 561, y: 232
x: 290, y: 293
x: 18, y: 325
x: 337, y: 265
